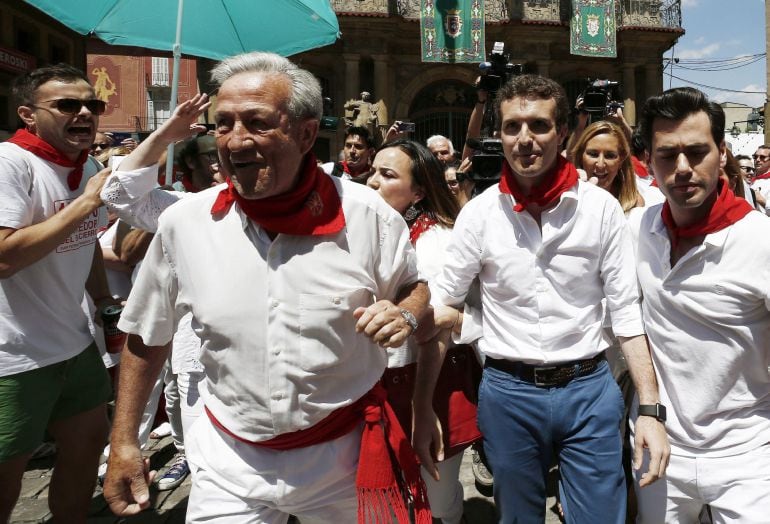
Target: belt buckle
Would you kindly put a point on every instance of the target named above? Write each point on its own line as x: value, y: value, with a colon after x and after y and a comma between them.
x: 543, y: 382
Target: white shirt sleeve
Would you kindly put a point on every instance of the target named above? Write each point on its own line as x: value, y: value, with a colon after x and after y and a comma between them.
x: 618, y: 272
x: 15, y: 202
x: 397, y: 264
x: 136, y: 198
x: 463, y: 259
x: 150, y: 311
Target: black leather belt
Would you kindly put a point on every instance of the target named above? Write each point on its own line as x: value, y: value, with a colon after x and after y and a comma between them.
x: 546, y: 376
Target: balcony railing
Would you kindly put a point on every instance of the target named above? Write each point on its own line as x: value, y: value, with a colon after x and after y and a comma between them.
x: 157, y: 79
x: 148, y: 123
x: 650, y: 13
x: 640, y: 13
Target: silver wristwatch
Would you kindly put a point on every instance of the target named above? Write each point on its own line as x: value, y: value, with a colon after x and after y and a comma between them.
x: 410, y: 319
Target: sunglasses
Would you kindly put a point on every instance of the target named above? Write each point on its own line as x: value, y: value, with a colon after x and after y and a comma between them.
x: 760, y: 157
x: 71, y: 106
x: 747, y: 169
x: 103, y: 146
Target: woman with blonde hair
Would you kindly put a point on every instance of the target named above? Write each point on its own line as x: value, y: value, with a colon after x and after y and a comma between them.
x: 603, y: 152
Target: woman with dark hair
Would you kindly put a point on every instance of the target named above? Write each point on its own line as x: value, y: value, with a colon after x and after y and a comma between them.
x: 602, y: 151
x: 411, y: 180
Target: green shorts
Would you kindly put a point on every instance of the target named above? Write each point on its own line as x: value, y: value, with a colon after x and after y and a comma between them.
x: 31, y: 400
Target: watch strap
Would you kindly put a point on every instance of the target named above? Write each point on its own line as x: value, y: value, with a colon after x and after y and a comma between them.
x: 657, y: 411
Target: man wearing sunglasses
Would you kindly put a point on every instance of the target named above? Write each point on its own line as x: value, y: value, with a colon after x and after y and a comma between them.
x: 52, y: 379
x: 761, y: 181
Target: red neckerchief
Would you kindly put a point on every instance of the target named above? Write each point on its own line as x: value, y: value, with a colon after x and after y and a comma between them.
x: 726, y: 211
x: 559, y: 180
x: 639, y: 168
x: 39, y: 147
x: 312, y: 208
x: 382, y: 438
x: 423, y: 223
x: 189, y: 186
x: 763, y: 176
x: 345, y: 167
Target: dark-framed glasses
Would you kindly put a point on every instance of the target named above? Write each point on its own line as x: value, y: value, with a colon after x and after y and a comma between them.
x: 747, y: 169
x: 71, y: 106
x: 761, y: 158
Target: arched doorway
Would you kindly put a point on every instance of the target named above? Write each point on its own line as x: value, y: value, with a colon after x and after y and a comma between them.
x: 443, y: 108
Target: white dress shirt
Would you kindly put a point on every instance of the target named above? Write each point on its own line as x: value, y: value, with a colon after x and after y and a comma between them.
x: 275, y: 319
x: 542, y: 289
x: 708, y: 324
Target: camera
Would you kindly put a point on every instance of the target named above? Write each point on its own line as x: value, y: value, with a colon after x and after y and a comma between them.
x: 487, y: 163
x: 406, y: 127
x: 497, y: 69
x: 488, y: 160
x: 601, y: 98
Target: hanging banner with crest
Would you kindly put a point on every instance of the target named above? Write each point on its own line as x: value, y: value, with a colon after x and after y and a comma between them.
x: 452, y: 30
x: 593, y: 28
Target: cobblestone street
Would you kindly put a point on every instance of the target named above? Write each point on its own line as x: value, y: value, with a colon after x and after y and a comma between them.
x: 169, y: 507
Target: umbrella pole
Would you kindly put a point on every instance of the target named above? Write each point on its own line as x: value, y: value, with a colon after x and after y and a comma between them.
x: 177, y: 51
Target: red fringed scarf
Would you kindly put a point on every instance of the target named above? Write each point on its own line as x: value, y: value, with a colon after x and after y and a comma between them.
x: 39, y: 147
x: 423, y: 223
x: 763, y: 176
x: 312, y: 208
x: 383, y: 437
x: 726, y: 211
x: 559, y: 180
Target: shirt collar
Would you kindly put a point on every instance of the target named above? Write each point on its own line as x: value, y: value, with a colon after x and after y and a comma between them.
x: 716, y: 239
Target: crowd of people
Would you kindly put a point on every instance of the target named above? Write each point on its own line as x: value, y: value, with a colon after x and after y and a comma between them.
x: 331, y: 337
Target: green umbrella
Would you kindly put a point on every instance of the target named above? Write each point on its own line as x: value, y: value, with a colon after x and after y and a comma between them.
x: 207, y: 28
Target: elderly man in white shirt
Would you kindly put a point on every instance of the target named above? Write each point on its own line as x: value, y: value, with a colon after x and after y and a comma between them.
x: 707, y: 319
x: 547, y: 249
x: 293, y: 278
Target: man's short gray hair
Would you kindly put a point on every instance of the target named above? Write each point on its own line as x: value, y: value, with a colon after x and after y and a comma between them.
x: 437, y: 138
x: 305, y: 100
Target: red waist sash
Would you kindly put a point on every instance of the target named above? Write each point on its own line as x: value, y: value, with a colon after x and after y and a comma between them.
x: 383, y: 437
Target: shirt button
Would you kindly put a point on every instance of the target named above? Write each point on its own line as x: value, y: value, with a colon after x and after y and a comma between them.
x: 277, y: 351
x: 274, y: 303
x: 337, y: 300
x: 277, y: 395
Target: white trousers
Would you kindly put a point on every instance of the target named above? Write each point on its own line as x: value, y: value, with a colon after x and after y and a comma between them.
x: 183, y: 403
x: 446, y: 496
x: 736, y: 488
x: 234, y: 482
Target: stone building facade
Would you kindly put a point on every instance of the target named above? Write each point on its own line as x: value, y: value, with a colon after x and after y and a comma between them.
x: 27, y: 41
x: 379, y: 52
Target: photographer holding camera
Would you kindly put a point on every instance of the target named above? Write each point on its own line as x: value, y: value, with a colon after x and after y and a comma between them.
x: 599, y: 101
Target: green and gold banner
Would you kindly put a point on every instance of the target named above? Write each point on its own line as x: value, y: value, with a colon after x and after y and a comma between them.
x: 452, y: 30
x: 592, y: 28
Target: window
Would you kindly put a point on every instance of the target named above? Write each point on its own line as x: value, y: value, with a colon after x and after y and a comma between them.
x: 160, y: 76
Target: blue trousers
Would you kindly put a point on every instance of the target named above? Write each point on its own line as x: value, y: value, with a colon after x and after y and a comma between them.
x: 526, y: 427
